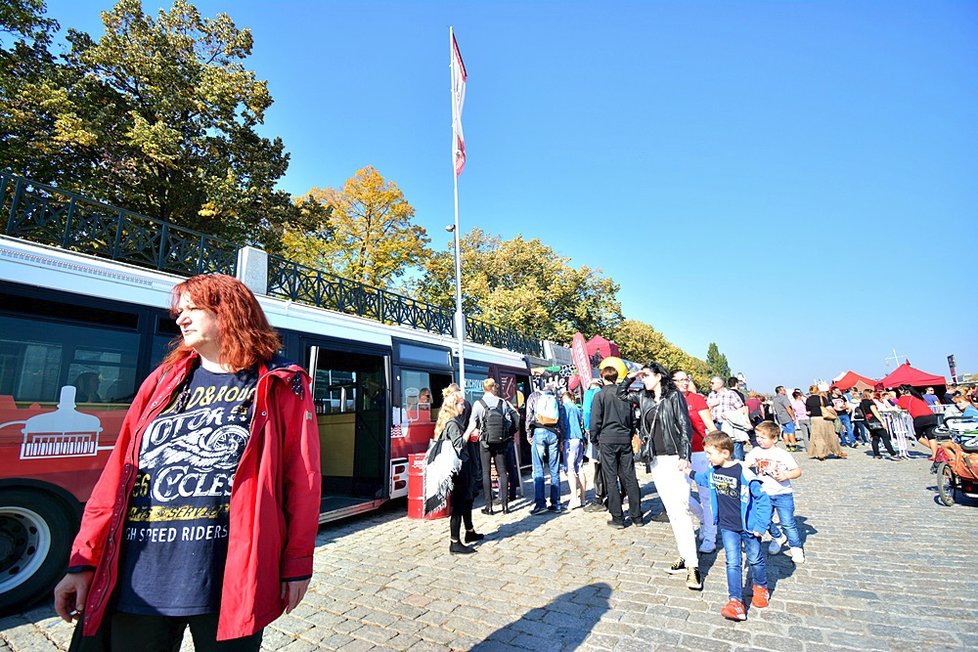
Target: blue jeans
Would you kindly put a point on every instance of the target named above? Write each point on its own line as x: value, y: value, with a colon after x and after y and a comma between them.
x: 738, y: 451
x: 862, y: 432
x: 732, y: 542
x: 846, y: 436
x: 784, y: 504
x: 545, y: 444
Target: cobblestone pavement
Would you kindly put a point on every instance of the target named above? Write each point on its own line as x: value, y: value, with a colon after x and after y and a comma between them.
x: 887, y: 569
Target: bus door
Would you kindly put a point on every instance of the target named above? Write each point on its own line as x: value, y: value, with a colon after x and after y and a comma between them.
x: 350, y: 391
x: 421, y: 372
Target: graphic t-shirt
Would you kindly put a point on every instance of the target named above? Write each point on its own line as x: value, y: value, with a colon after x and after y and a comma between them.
x: 770, y: 462
x: 727, y: 483
x: 866, y: 405
x: 176, y: 533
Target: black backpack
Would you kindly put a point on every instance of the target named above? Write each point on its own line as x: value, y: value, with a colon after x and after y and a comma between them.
x: 495, y: 427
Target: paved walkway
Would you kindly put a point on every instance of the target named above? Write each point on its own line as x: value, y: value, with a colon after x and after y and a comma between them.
x: 887, y: 569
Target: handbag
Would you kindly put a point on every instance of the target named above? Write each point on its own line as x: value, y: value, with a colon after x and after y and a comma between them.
x: 441, y: 464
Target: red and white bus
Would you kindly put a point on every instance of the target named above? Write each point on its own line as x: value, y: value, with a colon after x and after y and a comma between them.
x: 77, y: 336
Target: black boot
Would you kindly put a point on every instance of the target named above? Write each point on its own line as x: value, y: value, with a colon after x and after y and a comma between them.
x: 472, y: 536
x: 487, y: 510
x: 458, y: 548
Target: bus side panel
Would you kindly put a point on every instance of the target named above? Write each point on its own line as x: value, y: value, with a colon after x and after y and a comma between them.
x: 71, y: 457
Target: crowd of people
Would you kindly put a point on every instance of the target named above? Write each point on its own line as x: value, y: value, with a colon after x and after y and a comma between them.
x: 715, y: 459
x: 694, y: 447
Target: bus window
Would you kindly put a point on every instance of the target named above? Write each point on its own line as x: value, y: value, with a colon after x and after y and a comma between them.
x: 421, y: 396
x: 474, y: 375
x: 38, y: 358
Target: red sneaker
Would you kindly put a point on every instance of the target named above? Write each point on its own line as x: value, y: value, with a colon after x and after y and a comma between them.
x: 734, y: 610
x: 760, y: 599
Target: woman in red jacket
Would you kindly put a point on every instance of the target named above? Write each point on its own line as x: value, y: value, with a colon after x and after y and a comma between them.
x: 216, y: 467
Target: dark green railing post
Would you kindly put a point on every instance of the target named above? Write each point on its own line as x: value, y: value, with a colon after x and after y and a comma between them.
x: 117, y: 241
x: 18, y: 192
x: 68, y: 216
x: 201, y: 244
x: 164, y: 233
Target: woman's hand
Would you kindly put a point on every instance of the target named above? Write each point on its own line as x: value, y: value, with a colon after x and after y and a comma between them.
x: 70, y: 594
x: 293, y: 592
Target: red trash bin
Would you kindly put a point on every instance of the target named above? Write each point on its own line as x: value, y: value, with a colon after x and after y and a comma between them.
x: 416, y: 490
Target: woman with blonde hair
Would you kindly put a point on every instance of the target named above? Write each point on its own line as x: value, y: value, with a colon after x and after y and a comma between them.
x: 823, y: 440
x: 465, y: 486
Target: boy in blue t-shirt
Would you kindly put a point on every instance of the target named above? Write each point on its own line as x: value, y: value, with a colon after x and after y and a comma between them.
x: 743, y: 513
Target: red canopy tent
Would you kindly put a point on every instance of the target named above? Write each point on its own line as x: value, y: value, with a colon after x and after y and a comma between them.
x: 851, y: 379
x: 604, y: 348
x: 907, y: 375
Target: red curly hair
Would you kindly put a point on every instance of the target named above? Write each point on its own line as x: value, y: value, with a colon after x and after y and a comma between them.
x: 247, y: 338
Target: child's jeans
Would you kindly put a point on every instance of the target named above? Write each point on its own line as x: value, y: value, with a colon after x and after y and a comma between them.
x: 784, y: 505
x: 732, y: 542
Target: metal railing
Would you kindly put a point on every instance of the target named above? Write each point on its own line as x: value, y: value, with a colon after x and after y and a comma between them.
x: 52, y: 216
x: 289, y: 280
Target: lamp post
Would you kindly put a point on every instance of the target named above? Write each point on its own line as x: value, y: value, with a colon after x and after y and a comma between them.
x: 459, y: 318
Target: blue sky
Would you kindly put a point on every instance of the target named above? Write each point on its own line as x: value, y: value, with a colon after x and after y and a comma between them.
x: 796, y: 181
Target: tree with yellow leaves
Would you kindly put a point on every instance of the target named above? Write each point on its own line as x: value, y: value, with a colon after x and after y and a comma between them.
x: 640, y: 342
x: 368, y: 237
x: 525, y: 285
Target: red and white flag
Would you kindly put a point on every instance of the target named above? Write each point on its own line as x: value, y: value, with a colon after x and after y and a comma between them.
x: 458, y: 100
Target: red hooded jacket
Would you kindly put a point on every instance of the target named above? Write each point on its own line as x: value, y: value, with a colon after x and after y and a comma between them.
x: 274, y: 515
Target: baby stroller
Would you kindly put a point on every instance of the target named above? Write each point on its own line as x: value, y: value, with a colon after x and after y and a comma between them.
x: 957, y: 458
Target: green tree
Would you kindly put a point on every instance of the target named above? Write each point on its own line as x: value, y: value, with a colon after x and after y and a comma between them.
x: 159, y: 116
x: 717, y: 362
x: 524, y: 285
x: 32, y: 87
x: 362, y: 231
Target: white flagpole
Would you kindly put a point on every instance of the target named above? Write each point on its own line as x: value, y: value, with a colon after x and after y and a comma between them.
x: 459, y: 317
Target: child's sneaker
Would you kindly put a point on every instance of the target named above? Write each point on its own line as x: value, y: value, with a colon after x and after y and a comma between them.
x: 734, y: 610
x: 797, y: 555
x: 760, y: 599
x: 775, y: 546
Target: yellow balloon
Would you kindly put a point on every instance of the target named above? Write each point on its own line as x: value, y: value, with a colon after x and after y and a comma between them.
x: 617, y: 364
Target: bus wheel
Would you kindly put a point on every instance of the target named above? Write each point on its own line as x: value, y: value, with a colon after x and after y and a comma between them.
x: 35, y: 536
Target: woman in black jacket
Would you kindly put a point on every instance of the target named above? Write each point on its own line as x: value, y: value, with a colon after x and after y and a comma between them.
x: 465, y: 484
x: 666, y: 441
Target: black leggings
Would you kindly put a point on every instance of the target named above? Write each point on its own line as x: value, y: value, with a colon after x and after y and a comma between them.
x: 496, y: 453
x: 165, y: 633
x: 878, y: 434
x: 461, y: 511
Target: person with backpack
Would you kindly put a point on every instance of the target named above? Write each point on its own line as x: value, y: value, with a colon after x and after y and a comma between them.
x: 494, y: 421
x: 544, y: 434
